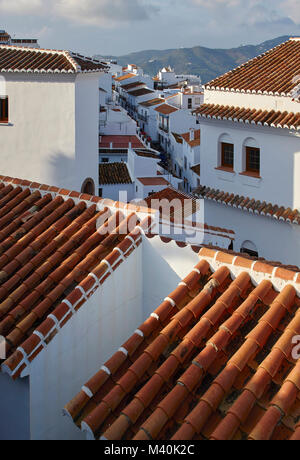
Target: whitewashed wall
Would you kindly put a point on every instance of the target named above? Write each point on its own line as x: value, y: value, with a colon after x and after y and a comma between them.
x: 86, y: 129
x: 102, y: 324
x: 174, y: 264
x: 52, y: 133
x: 113, y: 191
x: 255, y: 101
x: 275, y: 240
x: 14, y: 409
x: 279, y: 156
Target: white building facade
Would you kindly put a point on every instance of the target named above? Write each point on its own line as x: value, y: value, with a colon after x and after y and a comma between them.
x: 250, y: 154
x: 51, y: 130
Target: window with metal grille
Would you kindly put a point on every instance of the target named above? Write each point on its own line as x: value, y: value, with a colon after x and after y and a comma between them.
x: 253, y: 159
x: 3, y: 109
x: 227, y: 159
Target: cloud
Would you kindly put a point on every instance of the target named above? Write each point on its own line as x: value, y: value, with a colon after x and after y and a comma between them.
x: 20, y: 6
x: 253, y: 12
x: 104, y: 13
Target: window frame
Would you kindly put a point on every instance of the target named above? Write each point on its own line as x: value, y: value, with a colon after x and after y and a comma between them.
x: 248, y: 168
x: 223, y: 164
x: 4, y: 109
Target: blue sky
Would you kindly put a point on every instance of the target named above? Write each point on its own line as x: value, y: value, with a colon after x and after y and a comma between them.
x: 121, y: 26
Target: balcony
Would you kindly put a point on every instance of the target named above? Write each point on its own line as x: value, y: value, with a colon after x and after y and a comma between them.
x: 163, y: 128
x: 144, y: 118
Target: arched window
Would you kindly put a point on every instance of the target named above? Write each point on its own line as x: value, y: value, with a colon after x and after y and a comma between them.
x: 226, y: 152
x: 88, y: 187
x: 251, y: 157
x: 248, y: 247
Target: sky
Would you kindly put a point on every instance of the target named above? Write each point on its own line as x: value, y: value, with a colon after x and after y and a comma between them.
x: 118, y: 27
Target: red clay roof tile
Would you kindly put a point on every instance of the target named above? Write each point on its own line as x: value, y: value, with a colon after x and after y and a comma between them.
x: 273, y: 72
x: 46, y: 246
x: 232, y: 322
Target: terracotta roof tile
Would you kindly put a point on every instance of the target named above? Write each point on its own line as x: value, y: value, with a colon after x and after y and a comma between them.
x: 166, y: 109
x: 196, y: 141
x: 152, y: 102
x: 50, y: 249
x: 208, y: 361
x: 121, y: 142
x: 140, y: 92
x: 125, y: 77
x: 248, y: 204
x: 114, y: 173
x: 250, y: 116
x: 21, y: 59
x: 153, y: 181
x: 272, y: 73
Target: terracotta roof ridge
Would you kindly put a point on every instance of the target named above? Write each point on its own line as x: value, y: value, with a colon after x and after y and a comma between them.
x: 65, y: 193
x: 250, y: 115
x: 230, y: 72
x: 22, y: 357
x: 249, y: 204
x: 68, y: 55
x: 276, y: 274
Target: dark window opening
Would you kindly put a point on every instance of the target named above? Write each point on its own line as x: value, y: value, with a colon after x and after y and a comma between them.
x: 227, y: 155
x: 249, y: 252
x: 253, y: 160
x: 3, y: 109
x: 88, y: 187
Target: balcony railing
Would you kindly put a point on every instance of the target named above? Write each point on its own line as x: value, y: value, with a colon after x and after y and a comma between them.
x: 165, y: 129
x: 144, y: 118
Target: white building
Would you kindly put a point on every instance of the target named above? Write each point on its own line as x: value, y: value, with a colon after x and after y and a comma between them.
x: 250, y: 150
x: 85, y: 276
x: 147, y: 117
x: 171, y: 119
x: 50, y: 119
x: 167, y: 78
x: 185, y: 158
x: 135, y: 178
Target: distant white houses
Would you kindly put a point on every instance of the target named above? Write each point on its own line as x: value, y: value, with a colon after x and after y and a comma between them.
x: 185, y: 158
x: 167, y: 77
x: 134, y: 179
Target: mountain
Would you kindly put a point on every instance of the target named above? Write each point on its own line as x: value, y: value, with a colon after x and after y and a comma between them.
x: 206, y: 62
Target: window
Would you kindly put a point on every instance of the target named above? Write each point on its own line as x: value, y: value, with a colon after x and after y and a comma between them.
x: 88, y: 186
x: 253, y: 160
x: 190, y: 103
x: 100, y: 192
x: 248, y: 247
x: 227, y: 157
x: 185, y: 163
x: 3, y: 109
x: 105, y: 160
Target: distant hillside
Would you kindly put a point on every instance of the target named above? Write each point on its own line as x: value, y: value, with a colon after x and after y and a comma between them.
x: 206, y: 62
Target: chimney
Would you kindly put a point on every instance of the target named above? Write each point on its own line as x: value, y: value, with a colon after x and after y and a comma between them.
x: 130, y: 145
x: 111, y: 146
x: 192, y: 134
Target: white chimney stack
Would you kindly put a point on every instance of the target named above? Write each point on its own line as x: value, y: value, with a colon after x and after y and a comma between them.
x: 130, y: 145
x: 111, y: 145
x: 192, y: 134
